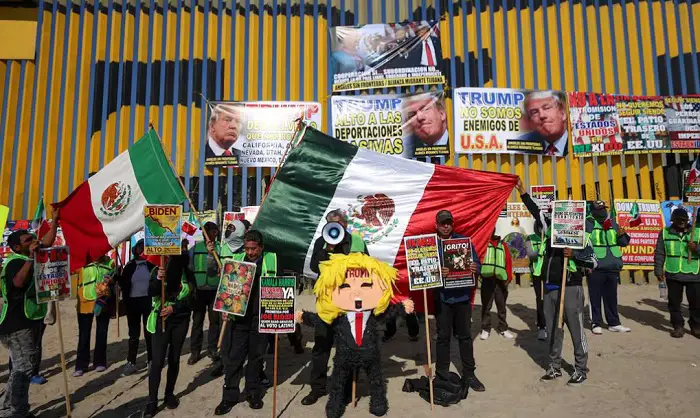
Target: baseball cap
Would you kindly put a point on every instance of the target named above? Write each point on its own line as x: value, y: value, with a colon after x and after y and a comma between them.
x: 444, y: 216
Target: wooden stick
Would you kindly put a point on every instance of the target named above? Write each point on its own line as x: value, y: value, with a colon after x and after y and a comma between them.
x: 116, y: 287
x: 560, y: 320
x: 354, y: 388
x: 274, y: 382
x: 162, y: 289
x: 224, y: 321
x: 692, y: 231
x: 63, y: 359
x: 427, y: 343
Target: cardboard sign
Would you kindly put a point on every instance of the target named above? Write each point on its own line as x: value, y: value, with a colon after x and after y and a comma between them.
x: 235, y: 286
x: 162, y: 229
x: 423, y: 262
x: 52, y: 274
x: 277, y: 298
x: 457, y: 257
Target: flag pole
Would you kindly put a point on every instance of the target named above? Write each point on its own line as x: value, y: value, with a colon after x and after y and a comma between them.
x: 274, y: 380
x: 63, y: 359
x: 116, y: 287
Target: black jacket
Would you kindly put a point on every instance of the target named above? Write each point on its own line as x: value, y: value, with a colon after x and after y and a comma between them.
x: 320, y: 254
x: 124, y: 278
x: 174, y: 270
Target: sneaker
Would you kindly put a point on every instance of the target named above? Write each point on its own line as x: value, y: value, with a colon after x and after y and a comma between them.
x: 576, y: 379
x: 619, y: 328
x: 37, y: 380
x: 78, y: 373
x: 194, y: 358
x: 542, y: 334
x: 551, y: 374
x: 597, y: 330
x: 171, y: 402
x: 100, y: 369
x: 484, y: 334
x: 678, y: 332
x: 474, y: 383
x: 151, y: 410
x: 507, y: 335
x: 129, y: 369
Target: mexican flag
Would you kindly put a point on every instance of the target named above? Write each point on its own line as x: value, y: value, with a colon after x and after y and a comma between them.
x: 635, y: 216
x: 108, y: 208
x: 385, y: 198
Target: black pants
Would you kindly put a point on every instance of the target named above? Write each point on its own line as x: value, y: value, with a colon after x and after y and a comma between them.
x: 137, y: 311
x: 204, y: 305
x: 454, y: 318
x: 603, y: 285
x: 675, y: 298
x: 170, y: 342
x: 82, y: 361
x: 242, y: 341
x: 36, y: 361
x: 537, y: 284
x: 493, y: 288
x: 411, y: 324
x: 320, y: 354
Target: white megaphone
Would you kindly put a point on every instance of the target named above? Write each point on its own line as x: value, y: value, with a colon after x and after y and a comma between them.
x: 333, y: 233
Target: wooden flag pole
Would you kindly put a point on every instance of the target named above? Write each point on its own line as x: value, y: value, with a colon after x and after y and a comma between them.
x: 429, y: 369
x: 162, y: 289
x: 560, y: 320
x: 63, y: 359
x: 274, y: 381
x: 116, y: 288
x: 354, y: 388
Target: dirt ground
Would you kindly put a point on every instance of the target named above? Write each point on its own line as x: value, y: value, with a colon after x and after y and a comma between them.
x: 645, y: 373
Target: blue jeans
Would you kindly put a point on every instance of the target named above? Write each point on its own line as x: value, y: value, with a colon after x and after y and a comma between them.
x: 22, y: 346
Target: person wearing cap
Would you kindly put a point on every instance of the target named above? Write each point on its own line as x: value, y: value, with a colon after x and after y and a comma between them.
x: 496, y: 275
x: 677, y: 261
x: 453, y: 314
x: 225, y: 124
x: 206, y: 273
x: 607, y: 239
x: 133, y: 282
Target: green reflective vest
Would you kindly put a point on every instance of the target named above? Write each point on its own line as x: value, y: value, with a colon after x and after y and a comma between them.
x: 494, y: 264
x: 199, y: 262
x: 155, y: 304
x: 269, y: 263
x: 536, y: 242
x: 602, y: 240
x: 357, y: 244
x: 537, y: 270
x: 677, y: 253
x: 32, y: 310
x: 91, y: 275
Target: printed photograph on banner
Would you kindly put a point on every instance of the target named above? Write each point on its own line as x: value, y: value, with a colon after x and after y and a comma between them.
x: 52, y: 274
x: 406, y: 126
x: 691, y: 188
x: 683, y: 122
x: 162, y: 229
x: 386, y: 55
x: 515, y: 225
x: 569, y: 224
x: 643, y: 220
x: 668, y: 206
x: 642, y: 124
x: 457, y: 258
x: 595, y: 125
x: 509, y: 121
x: 277, y: 305
x: 544, y: 196
x: 235, y: 286
x: 423, y: 262
x: 225, y: 125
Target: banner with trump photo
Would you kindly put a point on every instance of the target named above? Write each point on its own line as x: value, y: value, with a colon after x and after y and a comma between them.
x: 386, y: 55
x: 510, y: 121
x: 255, y: 134
x: 403, y: 125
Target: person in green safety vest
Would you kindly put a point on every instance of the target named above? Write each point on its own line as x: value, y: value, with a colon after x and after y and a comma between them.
x: 179, y: 286
x: 496, y: 274
x: 21, y: 317
x: 92, y: 277
x: 671, y: 265
x: 607, y: 239
x: 206, y: 273
x: 242, y: 341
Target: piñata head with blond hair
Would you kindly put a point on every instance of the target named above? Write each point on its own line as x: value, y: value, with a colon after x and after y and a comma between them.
x: 353, y: 283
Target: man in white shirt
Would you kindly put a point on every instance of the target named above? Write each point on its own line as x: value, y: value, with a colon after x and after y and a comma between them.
x: 546, y: 111
x: 225, y: 125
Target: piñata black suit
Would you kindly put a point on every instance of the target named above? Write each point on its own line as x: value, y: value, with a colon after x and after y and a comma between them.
x: 349, y: 356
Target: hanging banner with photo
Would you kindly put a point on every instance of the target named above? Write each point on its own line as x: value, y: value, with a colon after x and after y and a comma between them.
x: 423, y: 262
x: 277, y: 305
x: 569, y: 224
x: 509, y: 121
x: 405, y: 125
x: 385, y: 55
x: 457, y: 258
x: 52, y: 274
x: 642, y: 124
x: 255, y: 134
x: 162, y: 230
x: 643, y: 220
x: 683, y: 122
x: 595, y: 126
x: 514, y: 226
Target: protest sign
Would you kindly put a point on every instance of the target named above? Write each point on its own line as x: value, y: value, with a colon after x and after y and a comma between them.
x: 683, y: 122
x: 162, y: 229
x: 4, y: 212
x: 514, y: 225
x: 191, y: 229
x: 569, y: 224
x: 277, y: 305
x: 691, y: 190
x: 250, y: 213
x: 229, y: 217
x: 385, y: 55
x: 409, y: 126
x: 639, y: 254
x: 457, y: 258
x: 642, y: 124
x: 423, y: 262
x: 509, y: 121
x: 595, y: 125
x: 235, y: 286
x: 668, y: 206
x: 52, y: 274
x: 544, y: 196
